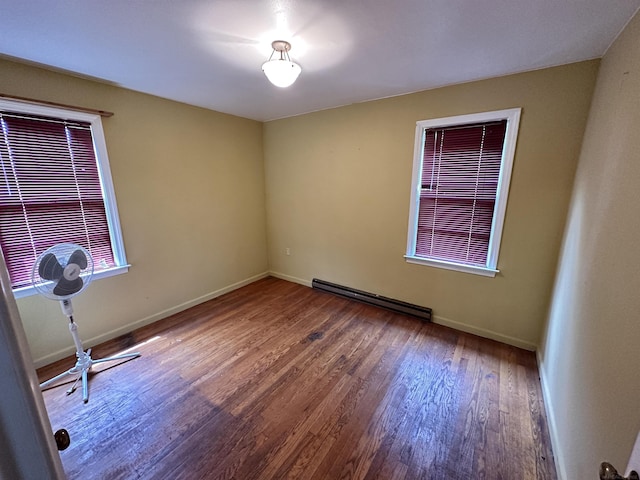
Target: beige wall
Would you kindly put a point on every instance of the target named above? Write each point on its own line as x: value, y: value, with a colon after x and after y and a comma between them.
x: 189, y: 184
x: 338, y: 188
x: 589, y: 356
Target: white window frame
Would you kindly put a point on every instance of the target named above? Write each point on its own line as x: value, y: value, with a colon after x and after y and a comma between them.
x: 106, y: 182
x: 512, y: 116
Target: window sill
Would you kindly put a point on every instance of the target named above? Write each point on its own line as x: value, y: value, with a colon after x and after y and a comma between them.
x: 484, y: 271
x: 30, y: 290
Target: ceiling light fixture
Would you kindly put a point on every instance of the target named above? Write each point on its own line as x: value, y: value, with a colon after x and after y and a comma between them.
x: 282, y: 72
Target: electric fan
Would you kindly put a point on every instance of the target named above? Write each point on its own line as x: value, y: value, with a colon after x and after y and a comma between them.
x: 60, y: 273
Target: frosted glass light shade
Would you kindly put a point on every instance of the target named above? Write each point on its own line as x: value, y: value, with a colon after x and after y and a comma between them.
x: 281, y: 73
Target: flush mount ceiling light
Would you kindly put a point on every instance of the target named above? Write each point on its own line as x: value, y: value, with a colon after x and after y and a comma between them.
x: 282, y: 72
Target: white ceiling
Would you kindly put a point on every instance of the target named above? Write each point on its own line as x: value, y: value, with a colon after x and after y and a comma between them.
x: 209, y: 52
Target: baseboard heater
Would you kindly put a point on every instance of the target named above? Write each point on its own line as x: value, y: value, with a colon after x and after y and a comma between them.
x: 423, y: 313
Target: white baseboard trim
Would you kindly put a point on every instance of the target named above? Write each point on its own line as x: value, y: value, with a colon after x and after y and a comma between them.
x: 65, y: 352
x: 289, y: 278
x: 483, y: 332
x: 52, y: 357
x: 516, y: 342
x: 551, y: 421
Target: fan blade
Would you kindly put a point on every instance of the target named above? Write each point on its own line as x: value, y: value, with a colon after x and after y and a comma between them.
x: 78, y: 257
x: 50, y: 268
x: 68, y: 287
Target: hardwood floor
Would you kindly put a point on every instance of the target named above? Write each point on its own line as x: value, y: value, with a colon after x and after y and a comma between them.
x: 279, y: 381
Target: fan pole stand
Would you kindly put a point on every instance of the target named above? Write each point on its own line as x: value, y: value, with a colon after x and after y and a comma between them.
x: 84, y: 361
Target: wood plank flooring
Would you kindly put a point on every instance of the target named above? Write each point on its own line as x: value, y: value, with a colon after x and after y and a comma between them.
x: 279, y: 381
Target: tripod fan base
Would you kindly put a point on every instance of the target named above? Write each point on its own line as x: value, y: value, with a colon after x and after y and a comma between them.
x: 81, y: 369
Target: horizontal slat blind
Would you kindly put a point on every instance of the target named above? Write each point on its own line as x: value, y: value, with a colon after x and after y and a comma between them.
x: 50, y: 192
x: 460, y: 173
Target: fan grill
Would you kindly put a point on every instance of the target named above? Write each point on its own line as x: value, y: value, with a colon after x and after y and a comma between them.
x: 62, y: 271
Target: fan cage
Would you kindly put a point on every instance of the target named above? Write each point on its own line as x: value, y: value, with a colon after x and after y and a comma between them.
x: 62, y: 252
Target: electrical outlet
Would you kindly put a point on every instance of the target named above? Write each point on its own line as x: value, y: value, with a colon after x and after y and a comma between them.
x: 287, y: 251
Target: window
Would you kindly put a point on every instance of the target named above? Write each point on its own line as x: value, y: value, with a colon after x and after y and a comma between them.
x: 55, y: 186
x: 461, y: 173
